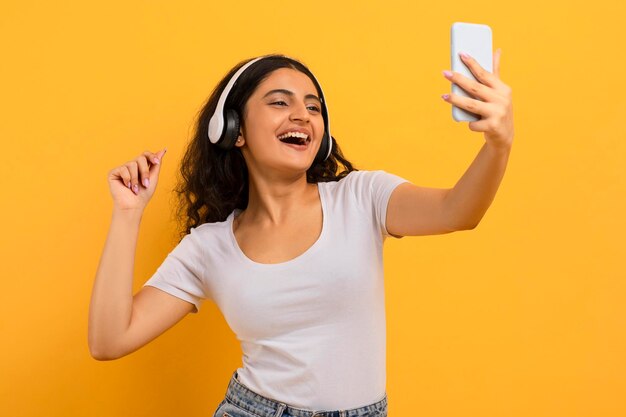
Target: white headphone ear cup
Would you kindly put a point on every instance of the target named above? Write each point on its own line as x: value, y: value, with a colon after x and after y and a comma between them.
x: 231, y: 130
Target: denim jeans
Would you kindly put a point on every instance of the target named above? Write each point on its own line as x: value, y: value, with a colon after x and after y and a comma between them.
x: 241, y: 401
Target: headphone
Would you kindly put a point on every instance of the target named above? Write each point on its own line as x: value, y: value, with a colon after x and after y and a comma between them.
x: 224, y: 124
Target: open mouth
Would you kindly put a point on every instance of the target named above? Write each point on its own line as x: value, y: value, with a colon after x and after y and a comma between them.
x: 296, y: 141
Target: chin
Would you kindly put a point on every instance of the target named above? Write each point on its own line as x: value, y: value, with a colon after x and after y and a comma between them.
x: 302, y: 167
x: 296, y: 167
x: 302, y: 158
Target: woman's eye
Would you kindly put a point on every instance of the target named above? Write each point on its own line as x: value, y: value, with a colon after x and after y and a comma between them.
x: 314, y: 108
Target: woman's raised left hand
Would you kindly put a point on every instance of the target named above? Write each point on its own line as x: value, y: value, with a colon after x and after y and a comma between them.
x: 495, y: 106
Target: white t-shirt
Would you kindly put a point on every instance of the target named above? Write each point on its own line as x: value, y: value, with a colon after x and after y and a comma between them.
x: 312, y: 329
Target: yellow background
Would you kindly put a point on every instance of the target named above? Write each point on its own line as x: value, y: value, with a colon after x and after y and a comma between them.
x: 523, y: 316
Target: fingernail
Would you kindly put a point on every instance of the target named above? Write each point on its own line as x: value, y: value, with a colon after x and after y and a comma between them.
x: 135, y: 188
x: 445, y: 96
x: 146, y: 182
x: 464, y: 55
x: 156, y: 161
x: 128, y: 185
x: 447, y: 74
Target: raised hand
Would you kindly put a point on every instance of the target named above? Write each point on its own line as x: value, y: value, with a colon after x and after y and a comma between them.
x: 495, y: 105
x: 133, y: 183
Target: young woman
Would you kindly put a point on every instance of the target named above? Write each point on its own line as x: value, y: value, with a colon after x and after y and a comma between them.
x: 287, y: 244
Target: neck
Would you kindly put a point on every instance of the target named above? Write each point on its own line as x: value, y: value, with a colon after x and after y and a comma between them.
x: 276, y: 201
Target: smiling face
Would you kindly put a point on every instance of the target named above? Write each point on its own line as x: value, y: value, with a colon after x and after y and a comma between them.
x: 285, y: 101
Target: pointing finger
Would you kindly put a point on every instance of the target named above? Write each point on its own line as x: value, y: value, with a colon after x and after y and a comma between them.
x: 482, y: 75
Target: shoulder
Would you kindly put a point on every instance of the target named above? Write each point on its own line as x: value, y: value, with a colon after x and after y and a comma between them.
x: 364, y: 175
x: 206, y: 232
x: 368, y: 181
x: 352, y: 177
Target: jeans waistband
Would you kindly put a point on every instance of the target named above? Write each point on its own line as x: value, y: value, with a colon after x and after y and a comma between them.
x: 245, y: 398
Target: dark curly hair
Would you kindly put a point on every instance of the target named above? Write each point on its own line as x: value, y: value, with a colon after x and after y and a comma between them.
x: 213, y: 182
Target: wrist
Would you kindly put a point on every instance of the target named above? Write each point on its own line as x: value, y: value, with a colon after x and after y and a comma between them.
x: 499, y: 149
x: 128, y: 214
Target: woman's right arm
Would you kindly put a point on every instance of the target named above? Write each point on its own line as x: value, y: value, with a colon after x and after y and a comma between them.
x: 120, y: 323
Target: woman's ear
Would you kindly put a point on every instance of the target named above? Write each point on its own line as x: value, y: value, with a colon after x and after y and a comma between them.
x: 240, y: 140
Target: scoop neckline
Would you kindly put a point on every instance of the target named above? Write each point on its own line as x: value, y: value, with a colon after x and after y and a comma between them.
x: 301, y: 257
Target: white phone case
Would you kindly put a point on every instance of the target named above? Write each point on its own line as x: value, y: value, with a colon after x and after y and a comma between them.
x: 476, y: 40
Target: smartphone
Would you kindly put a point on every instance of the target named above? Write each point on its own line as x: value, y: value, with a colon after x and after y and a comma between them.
x: 476, y: 40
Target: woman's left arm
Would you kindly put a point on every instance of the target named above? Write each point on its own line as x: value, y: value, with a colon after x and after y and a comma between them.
x: 415, y: 210
x: 470, y: 198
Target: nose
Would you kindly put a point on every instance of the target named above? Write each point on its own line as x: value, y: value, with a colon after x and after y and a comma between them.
x: 300, y: 112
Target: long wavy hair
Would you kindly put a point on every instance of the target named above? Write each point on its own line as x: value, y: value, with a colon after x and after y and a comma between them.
x: 213, y: 182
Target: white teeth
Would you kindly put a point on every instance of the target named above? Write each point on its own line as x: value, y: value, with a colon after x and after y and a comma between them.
x: 294, y: 134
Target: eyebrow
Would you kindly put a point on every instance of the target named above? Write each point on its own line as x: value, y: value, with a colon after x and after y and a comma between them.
x: 291, y: 94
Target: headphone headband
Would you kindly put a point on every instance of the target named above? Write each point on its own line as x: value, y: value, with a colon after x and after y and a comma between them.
x: 217, y: 123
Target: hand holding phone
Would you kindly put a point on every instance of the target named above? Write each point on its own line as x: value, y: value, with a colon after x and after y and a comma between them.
x: 489, y: 106
x: 475, y: 40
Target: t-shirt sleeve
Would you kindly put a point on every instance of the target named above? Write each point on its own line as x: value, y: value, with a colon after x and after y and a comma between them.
x: 373, y: 189
x: 182, y: 272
